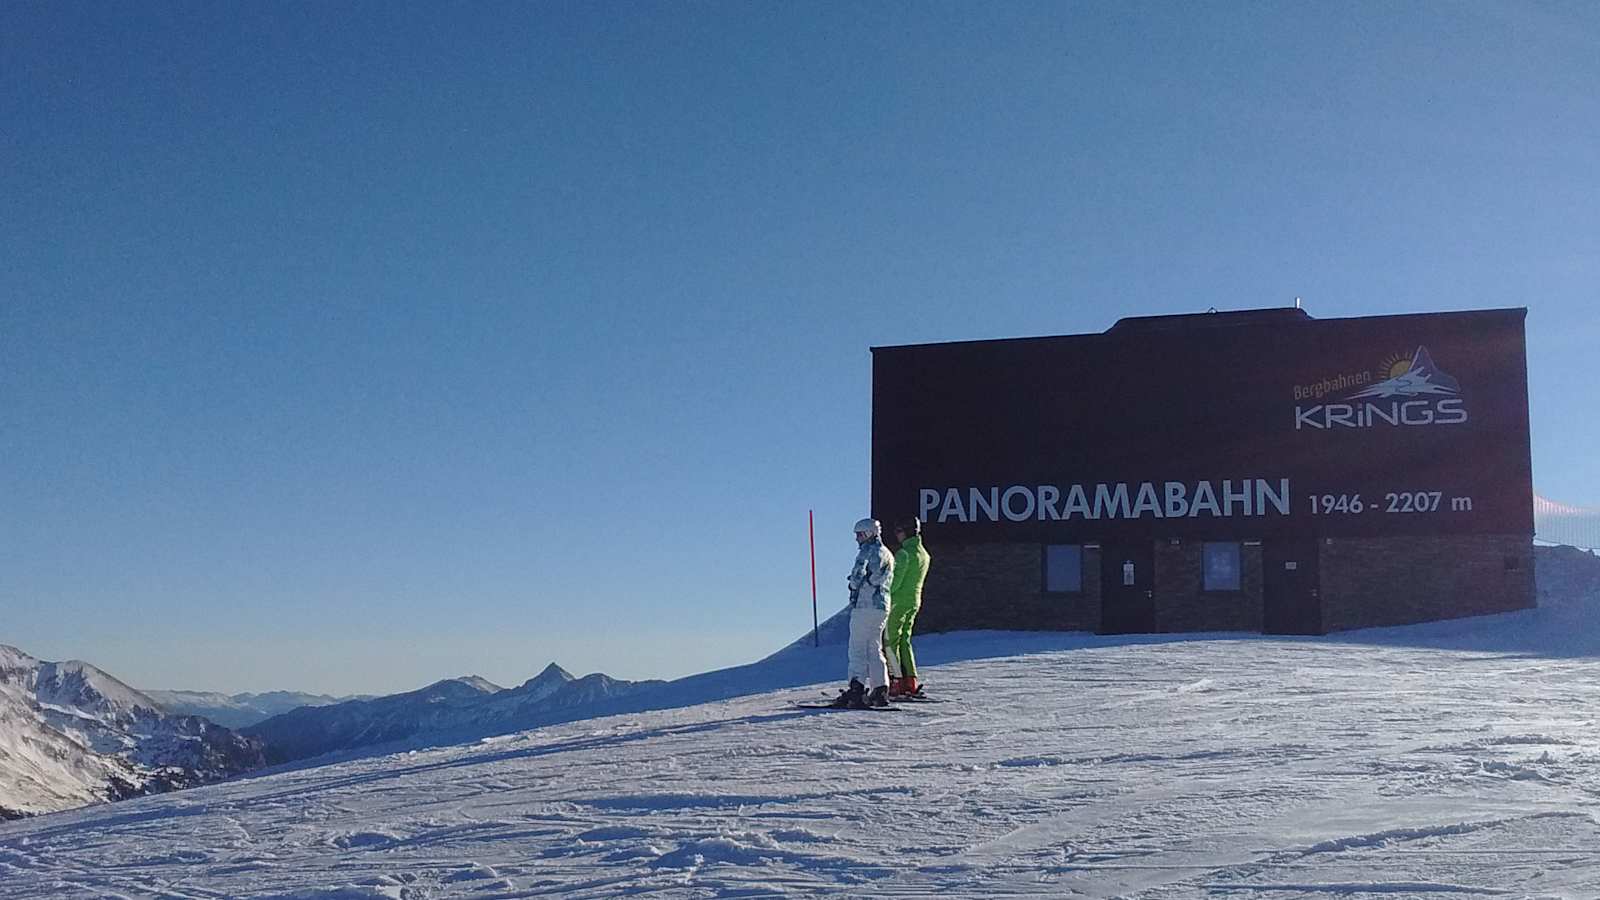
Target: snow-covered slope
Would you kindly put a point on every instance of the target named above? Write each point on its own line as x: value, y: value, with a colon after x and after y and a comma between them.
x: 467, y: 704
x: 72, y: 734
x: 1415, y: 762
x: 239, y: 710
x: 82, y: 687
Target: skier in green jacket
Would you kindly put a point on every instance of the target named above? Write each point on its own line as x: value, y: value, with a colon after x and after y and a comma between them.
x: 905, y: 599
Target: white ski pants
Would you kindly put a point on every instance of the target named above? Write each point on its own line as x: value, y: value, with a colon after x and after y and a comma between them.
x: 867, y: 664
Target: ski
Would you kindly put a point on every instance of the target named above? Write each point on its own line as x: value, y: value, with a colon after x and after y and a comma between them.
x: 918, y: 697
x: 830, y: 706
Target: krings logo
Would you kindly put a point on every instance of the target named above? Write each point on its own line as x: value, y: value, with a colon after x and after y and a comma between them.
x: 1412, y: 392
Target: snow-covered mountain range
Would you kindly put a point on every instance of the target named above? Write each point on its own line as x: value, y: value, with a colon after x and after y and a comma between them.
x: 240, y: 710
x: 71, y: 734
x: 452, y: 705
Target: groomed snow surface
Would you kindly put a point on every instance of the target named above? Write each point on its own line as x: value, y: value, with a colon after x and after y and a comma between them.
x: 1453, y: 759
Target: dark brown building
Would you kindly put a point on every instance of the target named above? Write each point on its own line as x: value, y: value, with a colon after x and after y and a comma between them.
x: 1243, y: 471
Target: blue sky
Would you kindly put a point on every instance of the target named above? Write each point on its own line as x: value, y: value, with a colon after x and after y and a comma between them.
x: 348, y: 346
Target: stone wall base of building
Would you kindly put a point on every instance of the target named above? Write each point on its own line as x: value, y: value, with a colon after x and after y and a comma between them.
x: 1370, y: 582
x: 1364, y: 583
x: 1001, y: 586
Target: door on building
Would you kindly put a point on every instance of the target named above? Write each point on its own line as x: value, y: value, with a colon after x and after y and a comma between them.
x: 1127, y: 587
x: 1291, y: 598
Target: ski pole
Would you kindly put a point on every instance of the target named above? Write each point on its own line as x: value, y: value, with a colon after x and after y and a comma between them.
x: 811, y: 528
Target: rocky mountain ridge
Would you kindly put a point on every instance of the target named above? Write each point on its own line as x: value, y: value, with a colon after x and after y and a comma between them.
x: 240, y: 710
x: 453, y: 704
x: 71, y: 733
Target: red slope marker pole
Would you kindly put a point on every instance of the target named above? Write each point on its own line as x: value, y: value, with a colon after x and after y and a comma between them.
x: 811, y: 527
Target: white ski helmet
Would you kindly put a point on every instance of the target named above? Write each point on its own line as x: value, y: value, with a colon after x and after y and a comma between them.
x: 868, y: 527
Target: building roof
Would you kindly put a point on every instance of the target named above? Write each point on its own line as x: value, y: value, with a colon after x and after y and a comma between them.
x: 1133, y: 326
x: 1211, y: 319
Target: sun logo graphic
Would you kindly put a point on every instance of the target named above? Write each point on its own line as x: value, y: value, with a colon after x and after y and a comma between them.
x: 1413, y: 377
x: 1413, y: 392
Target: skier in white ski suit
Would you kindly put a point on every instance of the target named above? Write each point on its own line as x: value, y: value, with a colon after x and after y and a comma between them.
x: 869, y: 610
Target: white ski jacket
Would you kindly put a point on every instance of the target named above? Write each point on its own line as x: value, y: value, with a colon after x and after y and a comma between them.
x: 870, y: 576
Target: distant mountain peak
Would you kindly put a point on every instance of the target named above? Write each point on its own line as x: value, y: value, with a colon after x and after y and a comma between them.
x: 542, y: 685
x: 552, y: 672
x: 12, y: 658
x: 85, y: 686
x: 240, y: 710
x: 481, y: 683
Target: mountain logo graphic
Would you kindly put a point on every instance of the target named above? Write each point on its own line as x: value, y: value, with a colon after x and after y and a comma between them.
x: 1415, y: 379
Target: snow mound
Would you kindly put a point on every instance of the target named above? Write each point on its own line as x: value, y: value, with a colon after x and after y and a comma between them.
x: 472, y: 872
x: 349, y: 892
x: 1566, y: 622
x: 737, y: 849
x: 365, y: 840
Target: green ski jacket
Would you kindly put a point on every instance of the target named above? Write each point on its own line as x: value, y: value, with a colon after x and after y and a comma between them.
x: 910, y: 570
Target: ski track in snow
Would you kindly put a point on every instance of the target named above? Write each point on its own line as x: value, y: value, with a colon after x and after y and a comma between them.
x: 1241, y: 768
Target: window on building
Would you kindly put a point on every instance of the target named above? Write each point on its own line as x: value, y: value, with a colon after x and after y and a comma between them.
x: 1221, y: 563
x: 1063, y: 568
